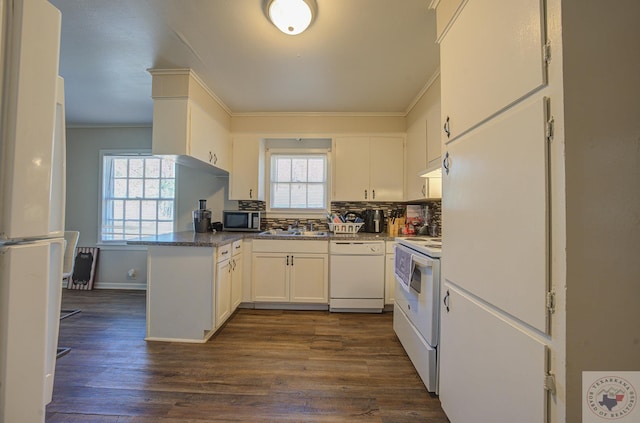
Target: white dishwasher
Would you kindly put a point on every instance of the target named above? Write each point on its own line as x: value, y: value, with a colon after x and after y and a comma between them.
x: 356, y: 276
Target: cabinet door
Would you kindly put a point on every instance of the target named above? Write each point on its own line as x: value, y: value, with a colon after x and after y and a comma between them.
x: 270, y: 277
x: 309, y: 278
x: 236, y: 281
x: 416, y: 158
x: 351, y: 180
x: 223, y: 292
x: 389, y: 278
x: 491, y: 56
x: 491, y: 167
x: 480, y: 350
x: 386, y: 169
x: 246, y: 178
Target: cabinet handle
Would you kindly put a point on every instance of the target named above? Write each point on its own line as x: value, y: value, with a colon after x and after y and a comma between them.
x: 446, y: 163
x: 373, y: 192
x: 446, y: 300
x: 424, y: 189
x: 365, y: 194
x: 233, y: 263
x: 215, y: 159
x: 287, y: 260
x: 447, y: 127
x: 292, y: 260
x: 224, y: 253
x: 250, y: 193
x: 210, y: 156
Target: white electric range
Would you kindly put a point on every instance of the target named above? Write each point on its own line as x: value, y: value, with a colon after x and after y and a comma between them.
x: 416, y: 314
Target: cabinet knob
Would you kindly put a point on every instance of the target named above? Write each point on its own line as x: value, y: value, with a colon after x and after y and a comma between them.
x: 447, y: 127
x: 446, y: 163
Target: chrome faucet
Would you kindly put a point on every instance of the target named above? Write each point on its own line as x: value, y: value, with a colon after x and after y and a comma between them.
x: 311, y: 226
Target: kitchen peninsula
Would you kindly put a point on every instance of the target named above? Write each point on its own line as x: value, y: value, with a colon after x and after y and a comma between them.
x: 195, y: 280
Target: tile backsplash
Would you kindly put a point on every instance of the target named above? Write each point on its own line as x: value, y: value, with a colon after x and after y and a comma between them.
x: 340, y: 207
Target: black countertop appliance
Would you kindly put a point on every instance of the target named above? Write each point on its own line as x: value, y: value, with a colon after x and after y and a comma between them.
x: 374, y: 221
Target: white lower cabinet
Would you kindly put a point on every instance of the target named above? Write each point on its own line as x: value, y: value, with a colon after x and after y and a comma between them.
x: 389, y: 276
x: 189, y: 291
x: 180, y: 304
x: 222, y: 296
x: 236, y: 274
x: 290, y: 271
x: 490, y: 369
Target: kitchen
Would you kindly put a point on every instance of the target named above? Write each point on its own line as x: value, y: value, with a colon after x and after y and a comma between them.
x: 570, y: 212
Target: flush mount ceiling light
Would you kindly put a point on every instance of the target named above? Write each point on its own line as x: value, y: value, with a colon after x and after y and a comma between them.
x: 290, y: 16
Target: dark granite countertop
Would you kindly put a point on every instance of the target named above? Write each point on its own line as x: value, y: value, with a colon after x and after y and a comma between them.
x: 192, y: 239
x: 189, y: 239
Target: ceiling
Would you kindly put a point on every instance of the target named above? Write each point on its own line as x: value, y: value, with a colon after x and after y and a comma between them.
x: 358, y: 56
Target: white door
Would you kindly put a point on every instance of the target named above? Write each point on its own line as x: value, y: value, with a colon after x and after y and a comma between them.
x: 491, y: 166
x: 246, y: 170
x: 386, y: 169
x: 351, y: 180
x: 223, y: 292
x: 491, y: 57
x: 309, y: 278
x: 236, y: 281
x: 270, y: 272
x: 490, y: 370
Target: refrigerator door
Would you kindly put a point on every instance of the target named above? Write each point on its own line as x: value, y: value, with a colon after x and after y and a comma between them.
x: 32, y: 45
x: 30, y: 293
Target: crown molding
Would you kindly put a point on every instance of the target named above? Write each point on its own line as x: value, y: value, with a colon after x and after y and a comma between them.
x: 422, y: 92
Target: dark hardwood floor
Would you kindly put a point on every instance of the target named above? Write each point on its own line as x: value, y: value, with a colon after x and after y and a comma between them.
x: 263, y: 366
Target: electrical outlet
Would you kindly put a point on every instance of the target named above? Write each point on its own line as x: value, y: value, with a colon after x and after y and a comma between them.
x: 132, y: 274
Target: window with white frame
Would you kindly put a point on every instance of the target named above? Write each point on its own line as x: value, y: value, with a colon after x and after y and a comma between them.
x: 138, y: 196
x: 298, y: 181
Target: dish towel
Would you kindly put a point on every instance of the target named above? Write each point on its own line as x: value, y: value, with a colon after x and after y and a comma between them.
x: 403, y: 267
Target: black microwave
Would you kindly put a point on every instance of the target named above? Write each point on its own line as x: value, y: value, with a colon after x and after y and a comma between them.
x: 241, y: 220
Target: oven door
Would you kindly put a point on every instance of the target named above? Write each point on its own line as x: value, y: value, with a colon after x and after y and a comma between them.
x: 420, y: 301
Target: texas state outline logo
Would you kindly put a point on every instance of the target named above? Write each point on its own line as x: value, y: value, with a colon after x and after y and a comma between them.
x: 610, y: 396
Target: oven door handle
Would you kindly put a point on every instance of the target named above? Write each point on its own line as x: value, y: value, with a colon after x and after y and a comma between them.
x: 421, y: 263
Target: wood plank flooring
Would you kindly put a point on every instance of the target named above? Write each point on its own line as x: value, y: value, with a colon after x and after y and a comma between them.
x: 263, y: 366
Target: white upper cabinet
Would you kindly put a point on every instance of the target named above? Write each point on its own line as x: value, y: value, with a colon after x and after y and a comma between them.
x: 188, y: 123
x: 368, y: 169
x: 491, y: 56
x: 246, y: 181
x: 423, y: 145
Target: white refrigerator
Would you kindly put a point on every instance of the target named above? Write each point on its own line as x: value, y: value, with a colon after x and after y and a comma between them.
x: 32, y: 197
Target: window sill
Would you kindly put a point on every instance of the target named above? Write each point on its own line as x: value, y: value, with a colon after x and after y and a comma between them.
x: 120, y: 246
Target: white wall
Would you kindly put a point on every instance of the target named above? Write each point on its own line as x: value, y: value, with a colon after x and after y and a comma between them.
x: 602, y: 150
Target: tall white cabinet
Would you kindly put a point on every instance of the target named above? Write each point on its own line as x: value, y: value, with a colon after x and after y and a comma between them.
x: 540, y: 100
x: 495, y: 318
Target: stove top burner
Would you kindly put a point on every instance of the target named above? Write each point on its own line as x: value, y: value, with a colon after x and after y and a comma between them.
x: 429, y: 246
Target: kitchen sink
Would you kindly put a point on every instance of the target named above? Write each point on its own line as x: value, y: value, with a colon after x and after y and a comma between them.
x: 293, y: 232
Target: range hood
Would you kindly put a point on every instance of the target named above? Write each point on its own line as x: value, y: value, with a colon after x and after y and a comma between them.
x: 433, y: 171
